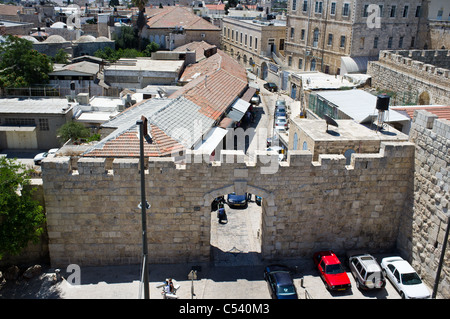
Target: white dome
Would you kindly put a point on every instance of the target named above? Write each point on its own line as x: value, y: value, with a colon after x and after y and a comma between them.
x: 58, y: 25
x: 86, y: 38
x: 55, y: 39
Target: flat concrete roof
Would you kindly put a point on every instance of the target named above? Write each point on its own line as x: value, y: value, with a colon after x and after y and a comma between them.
x: 35, y: 106
x: 359, y: 105
x: 347, y: 130
x: 146, y: 65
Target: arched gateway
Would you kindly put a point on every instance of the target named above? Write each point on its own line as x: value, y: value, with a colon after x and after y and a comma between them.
x: 241, y: 187
x: 93, y: 216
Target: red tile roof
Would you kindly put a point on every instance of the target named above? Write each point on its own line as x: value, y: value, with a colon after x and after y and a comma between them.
x: 219, y: 81
x: 173, y: 16
x: 127, y: 145
x: 442, y: 112
x: 198, y: 46
x: 219, y: 7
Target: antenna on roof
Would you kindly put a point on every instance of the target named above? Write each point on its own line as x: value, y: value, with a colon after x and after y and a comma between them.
x: 329, y: 121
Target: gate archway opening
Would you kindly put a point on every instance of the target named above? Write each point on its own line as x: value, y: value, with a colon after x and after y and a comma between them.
x: 239, y: 239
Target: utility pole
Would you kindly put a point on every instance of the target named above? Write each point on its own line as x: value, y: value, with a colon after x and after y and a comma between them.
x: 143, y: 205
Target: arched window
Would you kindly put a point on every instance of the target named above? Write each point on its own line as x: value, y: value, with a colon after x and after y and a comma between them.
x: 305, y: 146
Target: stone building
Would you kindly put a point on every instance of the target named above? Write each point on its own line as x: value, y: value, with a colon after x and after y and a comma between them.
x: 435, y: 25
x: 139, y: 72
x: 32, y: 123
x: 349, y: 137
x: 340, y: 36
x: 421, y: 74
x: 253, y: 43
x: 173, y: 26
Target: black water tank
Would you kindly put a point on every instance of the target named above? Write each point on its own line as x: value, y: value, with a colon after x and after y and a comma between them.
x: 383, y: 102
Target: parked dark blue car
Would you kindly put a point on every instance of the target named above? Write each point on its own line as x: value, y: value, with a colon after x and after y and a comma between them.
x: 237, y: 200
x: 280, y: 282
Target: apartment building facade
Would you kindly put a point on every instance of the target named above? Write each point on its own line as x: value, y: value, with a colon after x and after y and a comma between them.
x: 341, y: 36
x: 253, y: 43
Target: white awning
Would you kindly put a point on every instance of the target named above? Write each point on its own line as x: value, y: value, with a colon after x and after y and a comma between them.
x: 238, y: 110
x: 212, y: 139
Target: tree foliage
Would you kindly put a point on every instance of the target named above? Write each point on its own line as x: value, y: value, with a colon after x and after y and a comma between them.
x: 21, y: 217
x: 20, y: 65
x: 114, y: 55
x: 74, y: 131
x: 61, y: 57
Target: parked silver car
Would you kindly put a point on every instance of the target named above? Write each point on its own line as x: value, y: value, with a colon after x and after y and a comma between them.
x: 367, y: 272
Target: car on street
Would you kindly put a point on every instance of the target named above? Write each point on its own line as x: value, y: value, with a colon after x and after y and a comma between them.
x: 404, y: 278
x: 41, y: 156
x: 331, y: 270
x: 272, y: 87
x: 258, y: 200
x: 366, y: 271
x: 237, y: 200
x: 280, y: 103
x: 281, y: 121
x: 280, y: 282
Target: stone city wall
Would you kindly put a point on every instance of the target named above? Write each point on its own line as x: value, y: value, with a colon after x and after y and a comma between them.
x: 422, y: 232
x: 399, y: 73
x: 93, y: 216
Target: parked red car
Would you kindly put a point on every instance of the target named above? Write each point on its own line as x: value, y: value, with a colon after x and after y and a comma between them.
x: 331, y: 271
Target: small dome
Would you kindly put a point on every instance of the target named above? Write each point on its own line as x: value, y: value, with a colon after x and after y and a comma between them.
x: 103, y: 39
x: 30, y: 38
x: 58, y: 25
x: 86, y: 38
x: 55, y: 39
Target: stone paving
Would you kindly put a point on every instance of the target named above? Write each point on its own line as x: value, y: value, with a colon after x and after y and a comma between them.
x: 237, y: 242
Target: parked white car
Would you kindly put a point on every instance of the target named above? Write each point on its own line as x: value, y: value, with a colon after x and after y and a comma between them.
x: 281, y: 121
x: 38, y: 158
x: 404, y: 278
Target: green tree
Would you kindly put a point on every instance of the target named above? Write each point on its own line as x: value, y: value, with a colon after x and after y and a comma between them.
x: 74, y: 131
x: 150, y: 48
x: 21, y: 217
x: 128, y: 38
x: 141, y: 20
x: 20, y: 65
x: 61, y: 57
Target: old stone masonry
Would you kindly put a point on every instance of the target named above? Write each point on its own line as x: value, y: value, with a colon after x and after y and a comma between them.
x: 378, y: 202
x: 93, y: 217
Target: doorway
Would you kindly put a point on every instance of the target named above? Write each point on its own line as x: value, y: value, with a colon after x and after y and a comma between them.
x: 237, y: 240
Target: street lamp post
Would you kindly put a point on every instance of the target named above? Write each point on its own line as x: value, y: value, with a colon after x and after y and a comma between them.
x: 143, y: 206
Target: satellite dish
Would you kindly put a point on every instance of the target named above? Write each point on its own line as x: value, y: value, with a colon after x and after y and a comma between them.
x: 330, y: 121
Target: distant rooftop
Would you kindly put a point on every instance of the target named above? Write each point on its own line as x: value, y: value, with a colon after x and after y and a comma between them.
x: 146, y: 64
x: 322, y: 81
x: 359, y: 105
x: 441, y: 111
x: 35, y: 105
x: 347, y: 130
